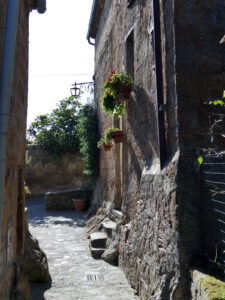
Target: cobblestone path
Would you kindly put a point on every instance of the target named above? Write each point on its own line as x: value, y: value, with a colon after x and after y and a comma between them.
x: 74, y: 273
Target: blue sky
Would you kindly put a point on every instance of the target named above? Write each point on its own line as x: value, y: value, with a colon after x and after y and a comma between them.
x: 58, y: 53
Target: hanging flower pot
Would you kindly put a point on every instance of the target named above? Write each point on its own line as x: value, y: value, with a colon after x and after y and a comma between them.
x: 79, y: 204
x: 117, y: 136
x: 107, y: 147
x: 124, y: 94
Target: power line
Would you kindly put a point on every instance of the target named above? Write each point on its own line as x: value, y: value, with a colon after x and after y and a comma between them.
x: 59, y: 75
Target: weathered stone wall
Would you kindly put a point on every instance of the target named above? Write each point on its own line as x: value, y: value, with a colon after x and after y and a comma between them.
x: 161, y: 231
x: 13, y: 206
x: 46, y: 172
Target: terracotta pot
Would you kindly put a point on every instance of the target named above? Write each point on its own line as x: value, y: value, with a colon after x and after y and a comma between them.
x: 79, y: 204
x: 107, y: 147
x: 124, y: 94
x: 117, y: 136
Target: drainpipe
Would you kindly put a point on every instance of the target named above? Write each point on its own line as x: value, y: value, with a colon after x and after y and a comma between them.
x: 5, y: 88
x: 159, y: 82
x: 93, y: 11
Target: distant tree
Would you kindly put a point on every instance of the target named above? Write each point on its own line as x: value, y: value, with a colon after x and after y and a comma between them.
x: 57, y: 132
x: 70, y: 127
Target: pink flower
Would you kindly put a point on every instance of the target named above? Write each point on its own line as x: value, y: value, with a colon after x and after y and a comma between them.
x: 112, y: 72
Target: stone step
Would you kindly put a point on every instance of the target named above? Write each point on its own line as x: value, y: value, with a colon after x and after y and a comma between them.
x: 97, y: 252
x: 117, y: 213
x: 109, y: 226
x: 98, y: 239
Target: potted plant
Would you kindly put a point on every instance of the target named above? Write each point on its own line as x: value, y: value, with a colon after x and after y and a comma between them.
x: 110, y: 106
x: 119, y: 85
x: 106, y: 144
x: 79, y: 204
x: 110, y: 133
x: 116, y: 134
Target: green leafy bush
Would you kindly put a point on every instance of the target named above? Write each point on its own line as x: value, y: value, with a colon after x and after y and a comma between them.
x: 70, y: 127
x: 87, y: 130
x: 56, y: 132
x: 112, y: 107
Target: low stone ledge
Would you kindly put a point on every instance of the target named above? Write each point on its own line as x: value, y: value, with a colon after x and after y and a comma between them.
x: 205, y: 287
x: 62, y: 200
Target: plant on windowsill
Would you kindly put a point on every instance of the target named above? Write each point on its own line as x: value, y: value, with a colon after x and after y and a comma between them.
x: 119, y: 85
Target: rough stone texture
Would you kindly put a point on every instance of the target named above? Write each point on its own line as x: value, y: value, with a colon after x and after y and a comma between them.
x: 47, y: 172
x: 160, y: 233
x: 205, y: 287
x: 60, y: 200
x: 110, y: 255
x: 33, y: 264
x: 23, y: 288
x: 75, y: 274
x: 97, y: 252
x: 98, y: 239
x: 12, y: 239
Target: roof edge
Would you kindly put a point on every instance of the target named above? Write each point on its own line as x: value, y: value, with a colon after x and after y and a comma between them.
x: 96, y: 12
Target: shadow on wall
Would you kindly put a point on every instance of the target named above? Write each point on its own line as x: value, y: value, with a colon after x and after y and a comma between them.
x: 142, y: 139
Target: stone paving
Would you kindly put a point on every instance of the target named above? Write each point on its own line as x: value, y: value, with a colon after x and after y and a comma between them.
x: 74, y: 273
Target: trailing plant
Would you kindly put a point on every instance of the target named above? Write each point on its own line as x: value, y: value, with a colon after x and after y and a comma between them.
x: 112, y: 107
x: 107, y: 137
x: 113, y: 85
x: 117, y: 81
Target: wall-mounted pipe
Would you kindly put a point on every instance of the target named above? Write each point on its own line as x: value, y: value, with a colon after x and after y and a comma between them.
x: 5, y: 88
x: 41, y: 6
x: 93, y: 11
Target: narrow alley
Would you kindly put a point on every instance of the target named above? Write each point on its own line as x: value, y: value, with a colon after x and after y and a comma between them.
x: 74, y: 273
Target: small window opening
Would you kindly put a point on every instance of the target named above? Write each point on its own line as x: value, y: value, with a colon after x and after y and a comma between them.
x: 130, y: 54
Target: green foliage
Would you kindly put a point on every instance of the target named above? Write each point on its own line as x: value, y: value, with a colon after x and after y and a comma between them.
x: 27, y: 158
x: 117, y: 81
x: 200, y: 160
x: 112, y: 107
x: 70, y: 127
x: 107, y: 136
x: 217, y: 102
x: 56, y: 132
x: 87, y: 133
x: 112, y: 86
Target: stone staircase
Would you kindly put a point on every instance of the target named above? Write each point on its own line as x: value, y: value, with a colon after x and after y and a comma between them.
x: 104, y: 243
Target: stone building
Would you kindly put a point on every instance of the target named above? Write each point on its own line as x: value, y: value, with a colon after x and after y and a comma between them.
x: 14, y: 23
x: 172, y: 50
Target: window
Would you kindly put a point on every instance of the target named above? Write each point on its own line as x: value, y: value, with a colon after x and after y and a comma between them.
x: 130, y: 54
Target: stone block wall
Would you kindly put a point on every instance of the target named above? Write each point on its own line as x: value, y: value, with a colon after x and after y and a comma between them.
x: 160, y: 204
x: 46, y: 172
x: 12, y: 227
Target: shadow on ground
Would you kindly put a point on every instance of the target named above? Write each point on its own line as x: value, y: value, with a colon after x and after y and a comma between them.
x: 38, y: 290
x: 38, y: 216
